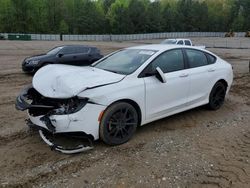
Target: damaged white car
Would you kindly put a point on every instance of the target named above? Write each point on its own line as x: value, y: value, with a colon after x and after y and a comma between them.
x: 126, y: 89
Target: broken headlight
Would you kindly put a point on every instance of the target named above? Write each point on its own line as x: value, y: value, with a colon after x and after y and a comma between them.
x: 69, y: 106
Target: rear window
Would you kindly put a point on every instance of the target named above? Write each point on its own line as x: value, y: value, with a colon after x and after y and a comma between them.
x: 196, y: 58
x: 210, y: 58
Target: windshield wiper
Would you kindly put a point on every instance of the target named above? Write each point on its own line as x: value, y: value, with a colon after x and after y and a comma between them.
x: 111, y: 71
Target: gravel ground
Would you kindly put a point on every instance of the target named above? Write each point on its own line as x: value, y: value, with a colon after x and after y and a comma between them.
x: 197, y: 148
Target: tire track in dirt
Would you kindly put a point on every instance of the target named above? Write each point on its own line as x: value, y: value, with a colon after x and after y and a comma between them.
x: 45, y: 169
x: 16, y: 137
x: 14, y: 79
x: 228, y: 149
x: 230, y: 157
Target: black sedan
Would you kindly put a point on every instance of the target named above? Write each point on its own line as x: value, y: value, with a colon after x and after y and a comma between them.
x: 71, y: 54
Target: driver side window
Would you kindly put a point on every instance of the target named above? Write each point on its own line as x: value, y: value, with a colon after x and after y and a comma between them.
x: 68, y: 50
x: 169, y: 61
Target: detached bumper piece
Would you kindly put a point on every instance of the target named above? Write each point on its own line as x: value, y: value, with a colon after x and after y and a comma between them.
x: 53, y: 142
x: 67, y: 143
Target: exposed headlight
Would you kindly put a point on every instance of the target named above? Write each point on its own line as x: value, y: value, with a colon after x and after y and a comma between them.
x: 70, y: 106
x: 33, y: 62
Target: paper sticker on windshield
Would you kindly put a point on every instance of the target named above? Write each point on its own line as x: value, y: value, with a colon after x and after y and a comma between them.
x: 146, y: 52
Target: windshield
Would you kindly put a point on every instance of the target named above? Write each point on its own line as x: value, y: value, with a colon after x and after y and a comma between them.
x: 125, y: 61
x: 169, y: 41
x: 54, y: 50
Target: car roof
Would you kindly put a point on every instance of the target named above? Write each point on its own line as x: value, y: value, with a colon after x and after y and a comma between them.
x: 181, y: 39
x: 77, y: 45
x: 176, y: 39
x: 161, y: 47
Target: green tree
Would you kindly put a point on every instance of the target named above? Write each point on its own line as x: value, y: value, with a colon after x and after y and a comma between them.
x: 168, y: 18
x: 64, y: 28
x: 245, y: 6
x: 6, y: 17
x: 119, y: 18
x: 154, y: 17
x: 123, y: 16
x: 55, y: 10
x: 21, y: 15
x: 137, y: 14
x: 38, y: 18
x: 90, y: 18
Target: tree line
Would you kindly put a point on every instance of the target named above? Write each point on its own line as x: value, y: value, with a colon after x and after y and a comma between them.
x: 123, y: 16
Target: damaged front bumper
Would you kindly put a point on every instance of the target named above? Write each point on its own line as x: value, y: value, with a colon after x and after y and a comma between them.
x: 61, y: 116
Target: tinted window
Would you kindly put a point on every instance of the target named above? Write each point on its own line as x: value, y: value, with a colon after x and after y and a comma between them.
x: 83, y: 50
x: 211, y: 59
x: 187, y: 42
x: 169, y: 61
x: 180, y: 42
x: 196, y: 58
x: 68, y: 50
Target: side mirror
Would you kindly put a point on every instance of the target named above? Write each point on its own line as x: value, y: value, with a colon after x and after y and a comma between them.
x: 60, y: 55
x: 160, y: 75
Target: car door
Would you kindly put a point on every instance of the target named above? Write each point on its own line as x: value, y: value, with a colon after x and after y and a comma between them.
x: 164, y: 98
x: 67, y: 55
x: 84, y: 55
x: 201, y: 75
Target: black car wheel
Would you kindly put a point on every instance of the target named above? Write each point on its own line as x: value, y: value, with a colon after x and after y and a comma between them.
x: 118, y: 123
x: 217, y: 96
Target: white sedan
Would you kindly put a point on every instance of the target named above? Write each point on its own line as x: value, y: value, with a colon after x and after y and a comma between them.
x: 126, y: 89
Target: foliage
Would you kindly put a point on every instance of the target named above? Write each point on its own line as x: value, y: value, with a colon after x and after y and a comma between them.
x: 123, y: 16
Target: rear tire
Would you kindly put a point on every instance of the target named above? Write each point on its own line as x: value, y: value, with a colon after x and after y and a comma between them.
x: 217, y: 96
x: 118, y: 123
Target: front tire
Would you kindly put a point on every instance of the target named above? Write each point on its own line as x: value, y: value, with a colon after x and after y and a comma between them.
x: 217, y: 96
x: 118, y: 123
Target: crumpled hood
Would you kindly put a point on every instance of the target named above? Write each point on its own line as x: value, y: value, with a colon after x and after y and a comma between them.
x: 65, y: 81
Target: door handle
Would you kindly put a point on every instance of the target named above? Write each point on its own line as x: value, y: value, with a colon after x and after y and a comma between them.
x: 184, y: 75
x: 74, y: 57
x: 211, y: 70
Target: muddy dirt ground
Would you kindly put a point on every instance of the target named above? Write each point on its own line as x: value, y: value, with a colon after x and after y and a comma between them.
x: 197, y: 148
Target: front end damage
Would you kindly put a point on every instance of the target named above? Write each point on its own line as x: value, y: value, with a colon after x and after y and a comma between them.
x: 74, y: 119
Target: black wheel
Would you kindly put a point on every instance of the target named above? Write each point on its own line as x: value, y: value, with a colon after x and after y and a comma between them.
x: 217, y: 96
x: 118, y: 123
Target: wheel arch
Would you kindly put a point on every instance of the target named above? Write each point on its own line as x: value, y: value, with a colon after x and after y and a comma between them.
x: 134, y: 104
x: 223, y: 81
